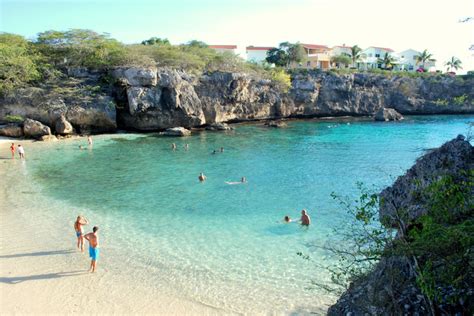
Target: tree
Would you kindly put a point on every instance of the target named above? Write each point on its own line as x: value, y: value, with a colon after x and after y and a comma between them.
x: 424, y: 57
x: 454, y: 63
x: 296, y: 53
x: 342, y: 59
x: 285, y: 54
x: 156, y: 41
x: 387, y: 61
x: 355, y: 54
x: 196, y: 43
x: 18, y: 62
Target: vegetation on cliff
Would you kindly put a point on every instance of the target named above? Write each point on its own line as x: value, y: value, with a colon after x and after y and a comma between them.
x: 52, y: 52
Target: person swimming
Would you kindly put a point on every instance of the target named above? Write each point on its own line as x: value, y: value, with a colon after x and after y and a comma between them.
x: 287, y: 219
x: 202, y: 177
x: 242, y: 180
x: 173, y: 146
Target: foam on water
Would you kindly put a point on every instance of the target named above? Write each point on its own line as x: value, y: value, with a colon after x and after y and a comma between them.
x: 219, y: 244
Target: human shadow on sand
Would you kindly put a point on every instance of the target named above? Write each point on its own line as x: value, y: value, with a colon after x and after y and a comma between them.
x: 46, y: 276
x: 39, y: 253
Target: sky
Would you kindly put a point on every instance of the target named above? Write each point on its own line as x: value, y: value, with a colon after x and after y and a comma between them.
x: 401, y: 24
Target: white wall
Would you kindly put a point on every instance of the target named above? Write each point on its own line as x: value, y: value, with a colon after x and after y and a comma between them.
x: 257, y: 56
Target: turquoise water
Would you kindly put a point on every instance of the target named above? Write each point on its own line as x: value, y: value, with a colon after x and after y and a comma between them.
x: 225, y: 245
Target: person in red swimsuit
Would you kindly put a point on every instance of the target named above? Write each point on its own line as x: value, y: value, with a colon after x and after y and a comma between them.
x: 12, y: 149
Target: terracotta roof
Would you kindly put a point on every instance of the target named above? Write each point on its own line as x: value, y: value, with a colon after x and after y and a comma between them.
x: 383, y: 48
x: 314, y: 46
x: 258, y: 48
x: 223, y: 46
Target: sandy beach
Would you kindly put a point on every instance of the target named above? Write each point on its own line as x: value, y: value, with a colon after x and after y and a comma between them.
x: 41, y: 271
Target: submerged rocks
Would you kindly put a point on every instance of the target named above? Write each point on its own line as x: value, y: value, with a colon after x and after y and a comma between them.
x: 35, y: 129
x: 219, y: 127
x: 276, y: 124
x: 11, y: 130
x: 63, y: 127
x: 176, y: 131
x: 387, y: 114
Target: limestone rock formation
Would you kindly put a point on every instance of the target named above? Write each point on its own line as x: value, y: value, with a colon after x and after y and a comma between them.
x: 454, y: 158
x: 63, y: 127
x: 35, y: 129
x: 176, y: 131
x: 387, y: 114
x: 48, y: 138
x: 11, y: 130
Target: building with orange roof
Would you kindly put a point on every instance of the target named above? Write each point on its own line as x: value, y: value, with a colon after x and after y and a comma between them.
x: 317, y: 57
x: 257, y: 54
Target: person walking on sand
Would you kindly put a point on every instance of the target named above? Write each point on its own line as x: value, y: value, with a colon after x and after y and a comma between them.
x: 305, y: 220
x: 21, y: 152
x: 202, y: 177
x: 80, y: 221
x: 93, y: 240
x: 12, y: 149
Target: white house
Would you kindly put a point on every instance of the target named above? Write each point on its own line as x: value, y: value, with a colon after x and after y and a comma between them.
x: 408, y: 60
x: 370, y: 56
x: 224, y: 48
x: 257, y: 54
x: 341, y: 50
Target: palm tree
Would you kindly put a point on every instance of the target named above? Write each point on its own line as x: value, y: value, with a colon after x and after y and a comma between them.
x: 355, y: 54
x: 424, y: 57
x: 387, y: 61
x: 453, y: 63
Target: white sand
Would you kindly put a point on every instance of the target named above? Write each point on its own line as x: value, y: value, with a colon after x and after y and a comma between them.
x: 42, y: 273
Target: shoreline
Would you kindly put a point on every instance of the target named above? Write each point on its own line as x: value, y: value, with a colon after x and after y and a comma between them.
x: 41, y: 270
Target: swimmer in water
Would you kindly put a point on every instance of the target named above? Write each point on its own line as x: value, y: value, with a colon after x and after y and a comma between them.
x: 202, y: 177
x: 243, y: 180
x: 173, y: 146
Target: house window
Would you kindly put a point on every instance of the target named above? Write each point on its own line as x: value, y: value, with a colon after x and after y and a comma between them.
x: 414, y: 57
x: 403, y: 56
x: 369, y: 55
x: 377, y: 55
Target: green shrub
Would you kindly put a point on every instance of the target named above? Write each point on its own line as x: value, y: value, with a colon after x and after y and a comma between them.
x: 460, y: 100
x: 282, y: 79
x: 14, y: 118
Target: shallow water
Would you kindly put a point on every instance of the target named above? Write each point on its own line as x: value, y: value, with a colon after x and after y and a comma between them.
x: 225, y: 245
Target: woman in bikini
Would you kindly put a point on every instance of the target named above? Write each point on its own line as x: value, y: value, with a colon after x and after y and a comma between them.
x: 80, y: 221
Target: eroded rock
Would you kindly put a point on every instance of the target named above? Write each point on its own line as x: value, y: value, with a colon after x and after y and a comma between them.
x: 11, y: 130
x: 176, y: 131
x: 35, y: 129
x: 387, y: 114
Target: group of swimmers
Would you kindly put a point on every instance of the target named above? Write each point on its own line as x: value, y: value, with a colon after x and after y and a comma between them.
x: 91, y: 237
x: 89, y: 142
x: 19, y: 149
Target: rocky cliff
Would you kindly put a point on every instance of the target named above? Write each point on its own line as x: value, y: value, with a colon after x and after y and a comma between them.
x: 147, y: 99
x: 393, y: 286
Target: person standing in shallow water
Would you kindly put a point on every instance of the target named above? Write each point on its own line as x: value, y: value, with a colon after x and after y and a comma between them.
x: 80, y: 221
x: 21, y: 152
x: 202, y: 177
x: 12, y: 149
x: 93, y: 240
x: 305, y: 220
x: 173, y: 146
x: 89, y: 140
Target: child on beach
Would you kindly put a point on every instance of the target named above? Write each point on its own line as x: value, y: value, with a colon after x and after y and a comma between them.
x: 12, y: 149
x: 21, y: 152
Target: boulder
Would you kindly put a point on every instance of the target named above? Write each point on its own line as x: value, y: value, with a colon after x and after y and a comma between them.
x: 387, y: 114
x: 136, y: 77
x: 63, y: 127
x: 219, y: 127
x: 276, y: 124
x: 11, y: 130
x: 176, y: 131
x: 35, y: 129
x: 48, y: 138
